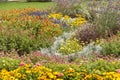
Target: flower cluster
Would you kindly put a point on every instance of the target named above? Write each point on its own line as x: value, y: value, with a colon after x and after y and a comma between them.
x: 111, y: 76
x: 70, y: 46
x: 97, y: 70
x: 26, y: 32
x: 73, y: 22
x: 78, y: 21
x: 55, y: 15
x: 104, y: 76
x: 9, y: 14
x: 27, y: 72
x: 72, y: 74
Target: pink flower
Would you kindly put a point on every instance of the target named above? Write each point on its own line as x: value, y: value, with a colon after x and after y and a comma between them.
x: 118, y: 70
x: 22, y: 64
x: 37, y: 64
x: 60, y: 75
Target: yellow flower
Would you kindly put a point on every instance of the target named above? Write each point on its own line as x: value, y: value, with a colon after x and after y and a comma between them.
x: 55, y: 73
x: 55, y: 15
x: 66, y: 17
x: 42, y: 78
x: 18, y: 75
x: 59, y: 79
x: 70, y: 74
x: 28, y: 71
x: 12, y: 78
x: 27, y: 65
x: 23, y: 76
x: 51, y: 75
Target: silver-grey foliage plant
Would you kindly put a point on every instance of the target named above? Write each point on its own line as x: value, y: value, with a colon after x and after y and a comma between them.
x: 59, y: 40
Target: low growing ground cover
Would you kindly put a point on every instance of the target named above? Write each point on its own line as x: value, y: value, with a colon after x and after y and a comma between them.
x: 42, y: 67
x: 67, y: 42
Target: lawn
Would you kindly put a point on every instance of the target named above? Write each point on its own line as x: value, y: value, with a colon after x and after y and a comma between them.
x: 19, y: 5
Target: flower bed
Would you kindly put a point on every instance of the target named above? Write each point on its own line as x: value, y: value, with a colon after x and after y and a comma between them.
x: 80, y: 45
x: 98, y: 70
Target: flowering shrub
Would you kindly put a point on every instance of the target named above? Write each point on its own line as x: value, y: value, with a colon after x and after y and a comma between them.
x: 112, y: 47
x: 71, y: 46
x: 26, y: 33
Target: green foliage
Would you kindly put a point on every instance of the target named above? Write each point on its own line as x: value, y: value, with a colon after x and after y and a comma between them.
x: 26, y: 33
x: 107, y: 23
x: 70, y: 71
x: 78, y: 72
x: 23, y: 43
x: 58, y: 67
x: 9, y: 63
x: 18, y: 42
x: 100, y: 66
x: 112, y: 47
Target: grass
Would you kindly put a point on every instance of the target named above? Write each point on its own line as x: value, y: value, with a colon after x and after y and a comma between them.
x: 20, y: 5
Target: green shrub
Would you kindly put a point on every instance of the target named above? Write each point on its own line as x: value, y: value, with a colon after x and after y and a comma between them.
x: 23, y: 43
x: 106, y: 20
x: 107, y: 23
x: 112, y: 47
x: 27, y: 33
x: 68, y: 7
x: 9, y: 63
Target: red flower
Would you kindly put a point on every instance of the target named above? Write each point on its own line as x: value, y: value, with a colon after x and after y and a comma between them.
x: 22, y: 64
x: 60, y: 75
